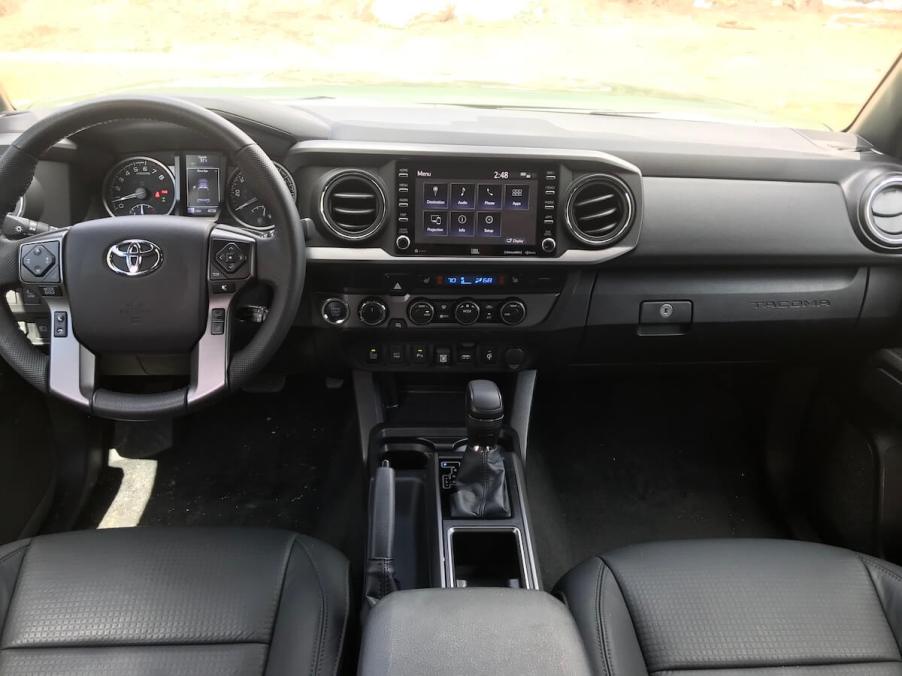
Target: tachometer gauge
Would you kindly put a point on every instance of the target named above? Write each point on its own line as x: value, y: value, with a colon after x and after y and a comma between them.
x: 246, y: 207
x: 139, y: 186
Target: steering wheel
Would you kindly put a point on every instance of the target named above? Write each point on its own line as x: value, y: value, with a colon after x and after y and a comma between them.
x: 147, y: 284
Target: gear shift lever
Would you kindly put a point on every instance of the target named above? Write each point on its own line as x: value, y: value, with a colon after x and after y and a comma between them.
x: 481, y: 486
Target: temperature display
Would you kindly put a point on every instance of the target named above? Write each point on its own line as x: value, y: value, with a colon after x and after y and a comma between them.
x: 470, y: 280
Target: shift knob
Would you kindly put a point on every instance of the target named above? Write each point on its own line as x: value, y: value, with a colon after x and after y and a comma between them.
x: 485, y: 413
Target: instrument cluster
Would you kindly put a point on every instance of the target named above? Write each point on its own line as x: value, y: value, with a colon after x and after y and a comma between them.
x: 188, y: 184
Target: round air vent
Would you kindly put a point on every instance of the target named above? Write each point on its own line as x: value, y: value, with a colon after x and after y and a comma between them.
x: 599, y: 210
x: 882, y: 212
x: 353, y: 205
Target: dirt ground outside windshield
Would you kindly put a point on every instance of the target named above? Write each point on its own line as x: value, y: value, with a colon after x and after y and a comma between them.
x: 803, y: 62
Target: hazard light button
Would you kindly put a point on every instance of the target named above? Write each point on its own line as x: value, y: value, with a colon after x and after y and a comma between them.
x: 397, y: 284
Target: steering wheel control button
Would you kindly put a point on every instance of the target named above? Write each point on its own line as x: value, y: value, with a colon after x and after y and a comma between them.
x: 30, y: 297
x: 60, y: 324
x: 421, y: 312
x: 39, y: 262
x: 666, y: 312
x: 230, y: 258
x: 372, y: 312
x: 335, y: 311
x: 466, y: 312
x: 224, y: 287
x: 513, y: 312
x: 217, y: 321
x: 51, y: 291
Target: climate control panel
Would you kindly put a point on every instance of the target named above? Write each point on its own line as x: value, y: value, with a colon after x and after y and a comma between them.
x: 433, y: 312
x: 466, y: 311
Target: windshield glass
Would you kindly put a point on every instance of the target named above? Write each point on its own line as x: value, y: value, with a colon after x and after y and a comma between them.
x: 798, y: 62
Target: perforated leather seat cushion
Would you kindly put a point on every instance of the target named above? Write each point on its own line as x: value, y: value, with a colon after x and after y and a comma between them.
x: 174, y: 601
x: 752, y: 607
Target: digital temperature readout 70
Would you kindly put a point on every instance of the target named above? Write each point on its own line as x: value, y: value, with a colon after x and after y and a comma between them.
x: 470, y: 280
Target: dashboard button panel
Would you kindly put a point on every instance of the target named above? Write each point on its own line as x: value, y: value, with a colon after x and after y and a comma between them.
x: 440, y: 356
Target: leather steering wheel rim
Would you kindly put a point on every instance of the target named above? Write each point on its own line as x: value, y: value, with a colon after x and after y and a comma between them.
x: 282, y: 267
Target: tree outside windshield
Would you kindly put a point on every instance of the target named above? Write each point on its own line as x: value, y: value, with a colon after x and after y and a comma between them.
x: 799, y: 62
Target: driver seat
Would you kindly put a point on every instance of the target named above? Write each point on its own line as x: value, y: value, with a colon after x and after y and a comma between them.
x: 174, y: 601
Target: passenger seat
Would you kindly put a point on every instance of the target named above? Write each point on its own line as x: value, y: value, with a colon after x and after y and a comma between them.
x: 743, y: 607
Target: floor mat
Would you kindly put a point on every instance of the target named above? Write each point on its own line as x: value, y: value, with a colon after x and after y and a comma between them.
x: 635, y: 458
x: 286, y: 460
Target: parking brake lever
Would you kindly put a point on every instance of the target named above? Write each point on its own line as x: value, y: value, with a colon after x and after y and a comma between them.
x: 379, y: 577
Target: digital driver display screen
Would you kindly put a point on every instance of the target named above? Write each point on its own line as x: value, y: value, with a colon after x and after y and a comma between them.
x: 202, y: 180
x: 476, y: 206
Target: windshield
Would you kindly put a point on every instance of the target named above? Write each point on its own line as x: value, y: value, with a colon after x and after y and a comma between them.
x: 797, y: 62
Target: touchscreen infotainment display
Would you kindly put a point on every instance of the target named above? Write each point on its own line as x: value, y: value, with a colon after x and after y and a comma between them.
x: 476, y: 206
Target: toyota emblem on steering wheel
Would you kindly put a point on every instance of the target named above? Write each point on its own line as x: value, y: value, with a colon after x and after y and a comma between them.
x: 134, y: 257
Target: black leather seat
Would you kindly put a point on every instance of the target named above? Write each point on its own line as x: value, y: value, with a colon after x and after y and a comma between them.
x: 743, y: 607
x: 172, y: 601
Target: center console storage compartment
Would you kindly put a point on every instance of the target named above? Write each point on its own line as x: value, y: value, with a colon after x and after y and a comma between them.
x: 486, y: 557
x: 471, y: 631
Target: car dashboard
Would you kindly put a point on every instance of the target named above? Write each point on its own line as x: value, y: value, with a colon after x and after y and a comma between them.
x: 443, y: 238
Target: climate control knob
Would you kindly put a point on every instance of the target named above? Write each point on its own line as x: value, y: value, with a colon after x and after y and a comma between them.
x: 372, y: 311
x: 466, y: 312
x: 512, y: 312
x: 421, y: 312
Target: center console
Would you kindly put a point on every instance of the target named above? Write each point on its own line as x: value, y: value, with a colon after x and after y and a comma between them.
x: 451, y: 573
x: 465, y: 258
x: 478, y: 319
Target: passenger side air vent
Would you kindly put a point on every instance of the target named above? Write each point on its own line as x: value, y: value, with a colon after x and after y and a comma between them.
x: 599, y: 210
x: 882, y: 212
x: 353, y: 205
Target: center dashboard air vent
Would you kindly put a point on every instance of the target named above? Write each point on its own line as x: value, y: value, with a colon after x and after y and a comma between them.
x: 881, y: 212
x: 353, y: 205
x: 599, y: 210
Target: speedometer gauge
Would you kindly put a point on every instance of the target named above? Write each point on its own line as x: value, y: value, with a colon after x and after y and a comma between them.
x: 139, y: 186
x: 246, y: 207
